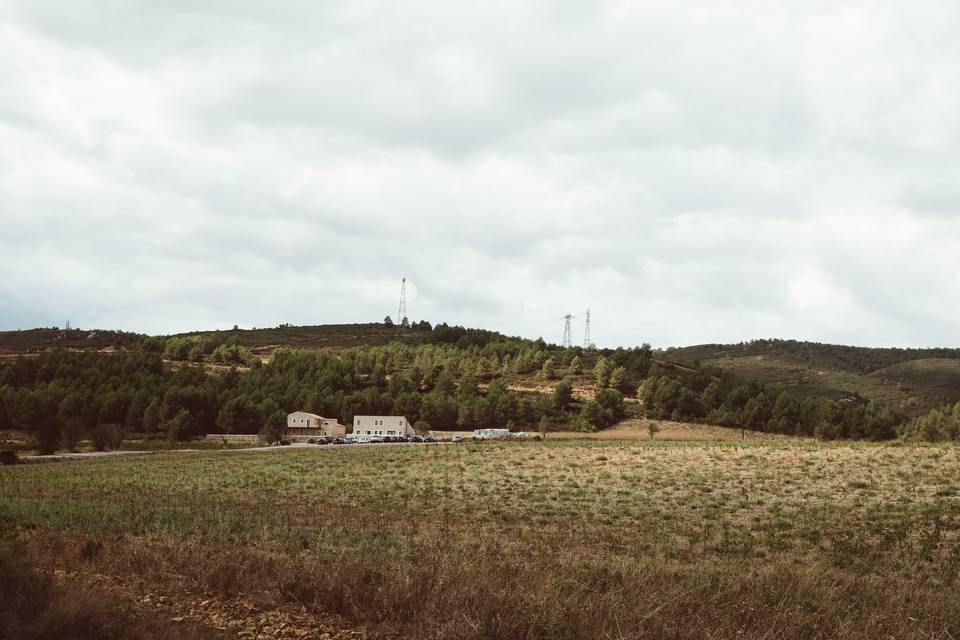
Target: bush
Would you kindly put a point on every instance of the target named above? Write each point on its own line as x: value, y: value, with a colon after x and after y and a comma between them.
x: 107, y: 437
x: 48, y: 435
x: 422, y: 427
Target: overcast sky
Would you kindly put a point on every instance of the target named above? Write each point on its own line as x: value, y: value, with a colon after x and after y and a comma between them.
x: 690, y: 171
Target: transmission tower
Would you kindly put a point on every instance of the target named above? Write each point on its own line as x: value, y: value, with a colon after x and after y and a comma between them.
x: 567, y: 336
x: 586, y: 331
x: 402, y: 309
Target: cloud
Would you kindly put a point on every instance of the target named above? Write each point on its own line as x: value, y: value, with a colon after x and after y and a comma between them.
x: 691, y: 171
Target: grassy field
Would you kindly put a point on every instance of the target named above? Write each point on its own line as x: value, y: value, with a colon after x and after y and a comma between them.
x: 772, y: 538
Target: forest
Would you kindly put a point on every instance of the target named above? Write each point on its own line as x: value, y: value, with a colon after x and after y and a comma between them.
x: 180, y: 387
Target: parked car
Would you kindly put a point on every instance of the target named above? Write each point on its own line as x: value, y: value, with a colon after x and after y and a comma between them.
x: 416, y: 438
x: 324, y: 440
x: 429, y: 439
x: 340, y: 441
x: 284, y: 443
x: 456, y: 439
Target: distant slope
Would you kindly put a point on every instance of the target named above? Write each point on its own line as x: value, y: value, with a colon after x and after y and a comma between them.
x: 813, y: 355
x: 34, y: 340
x: 909, y: 381
x: 327, y: 336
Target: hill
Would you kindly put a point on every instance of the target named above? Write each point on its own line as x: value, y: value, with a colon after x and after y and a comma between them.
x: 318, y: 337
x: 40, y: 339
x: 908, y: 381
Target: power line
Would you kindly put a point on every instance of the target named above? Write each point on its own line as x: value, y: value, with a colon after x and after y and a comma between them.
x: 567, y: 335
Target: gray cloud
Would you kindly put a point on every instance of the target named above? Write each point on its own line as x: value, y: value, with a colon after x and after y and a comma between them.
x: 692, y: 172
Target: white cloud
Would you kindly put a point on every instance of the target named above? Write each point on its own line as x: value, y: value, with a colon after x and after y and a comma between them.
x: 691, y: 171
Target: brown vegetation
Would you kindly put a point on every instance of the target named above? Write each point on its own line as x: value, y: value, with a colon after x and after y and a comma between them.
x: 780, y: 539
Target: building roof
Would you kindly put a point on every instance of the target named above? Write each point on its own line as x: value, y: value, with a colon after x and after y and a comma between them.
x: 305, y: 413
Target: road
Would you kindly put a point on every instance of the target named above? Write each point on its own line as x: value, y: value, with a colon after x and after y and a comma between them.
x: 89, y: 455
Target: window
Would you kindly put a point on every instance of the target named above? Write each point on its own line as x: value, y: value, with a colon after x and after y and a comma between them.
x: 400, y: 422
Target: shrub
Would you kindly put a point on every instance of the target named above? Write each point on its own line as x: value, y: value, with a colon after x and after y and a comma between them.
x: 422, y: 427
x: 106, y: 437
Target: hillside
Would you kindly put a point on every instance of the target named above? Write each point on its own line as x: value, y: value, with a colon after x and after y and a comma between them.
x: 40, y: 339
x: 317, y: 337
x: 909, y: 381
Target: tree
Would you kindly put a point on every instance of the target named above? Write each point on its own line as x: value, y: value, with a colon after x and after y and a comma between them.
x: 422, y: 427
x: 444, y: 383
x: 468, y: 388
x: 151, y: 417
x: 549, y: 369
x: 178, y: 425
x: 653, y: 428
x: 239, y: 415
x: 602, y: 372
x: 107, y: 437
x: 593, y: 413
x: 388, y: 321
x: 273, y: 427
x: 48, y: 434
x: 178, y: 348
x: 621, y: 381
x: 611, y: 401
x: 576, y: 366
x: 563, y: 394
x: 543, y: 427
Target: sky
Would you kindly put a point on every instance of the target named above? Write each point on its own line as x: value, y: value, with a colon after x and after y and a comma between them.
x: 691, y: 172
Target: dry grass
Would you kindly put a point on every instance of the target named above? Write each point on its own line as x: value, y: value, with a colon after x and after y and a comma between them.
x: 636, y: 429
x: 619, y: 539
x: 34, y: 607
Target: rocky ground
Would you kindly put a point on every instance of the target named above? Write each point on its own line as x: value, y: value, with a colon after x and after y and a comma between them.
x: 237, y: 617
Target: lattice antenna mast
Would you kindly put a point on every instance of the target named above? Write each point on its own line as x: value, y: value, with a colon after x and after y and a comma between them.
x: 567, y: 335
x: 402, y: 309
x: 586, y: 331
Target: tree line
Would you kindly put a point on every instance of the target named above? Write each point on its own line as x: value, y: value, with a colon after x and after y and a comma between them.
x: 938, y: 425
x: 63, y: 396
x: 730, y: 401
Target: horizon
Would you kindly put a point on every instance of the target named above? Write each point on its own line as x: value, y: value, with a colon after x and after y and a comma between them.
x: 661, y: 348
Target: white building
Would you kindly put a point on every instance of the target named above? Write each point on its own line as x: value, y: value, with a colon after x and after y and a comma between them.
x: 382, y: 426
x: 302, y: 426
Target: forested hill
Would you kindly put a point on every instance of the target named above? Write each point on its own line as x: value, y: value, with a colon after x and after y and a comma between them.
x: 261, y: 341
x: 453, y: 377
x: 908, y: 381
x: 43, y: 338
x: 812, y: 354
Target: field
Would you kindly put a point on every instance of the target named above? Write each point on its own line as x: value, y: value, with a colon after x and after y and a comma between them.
x: 774, y: 538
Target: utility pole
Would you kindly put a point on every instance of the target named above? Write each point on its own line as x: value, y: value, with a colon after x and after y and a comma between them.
x: 567, y: 336
x: 586, y: 331
x: 402, y: 309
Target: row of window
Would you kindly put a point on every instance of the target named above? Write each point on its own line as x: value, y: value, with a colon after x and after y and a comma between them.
x: 377, y: 422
